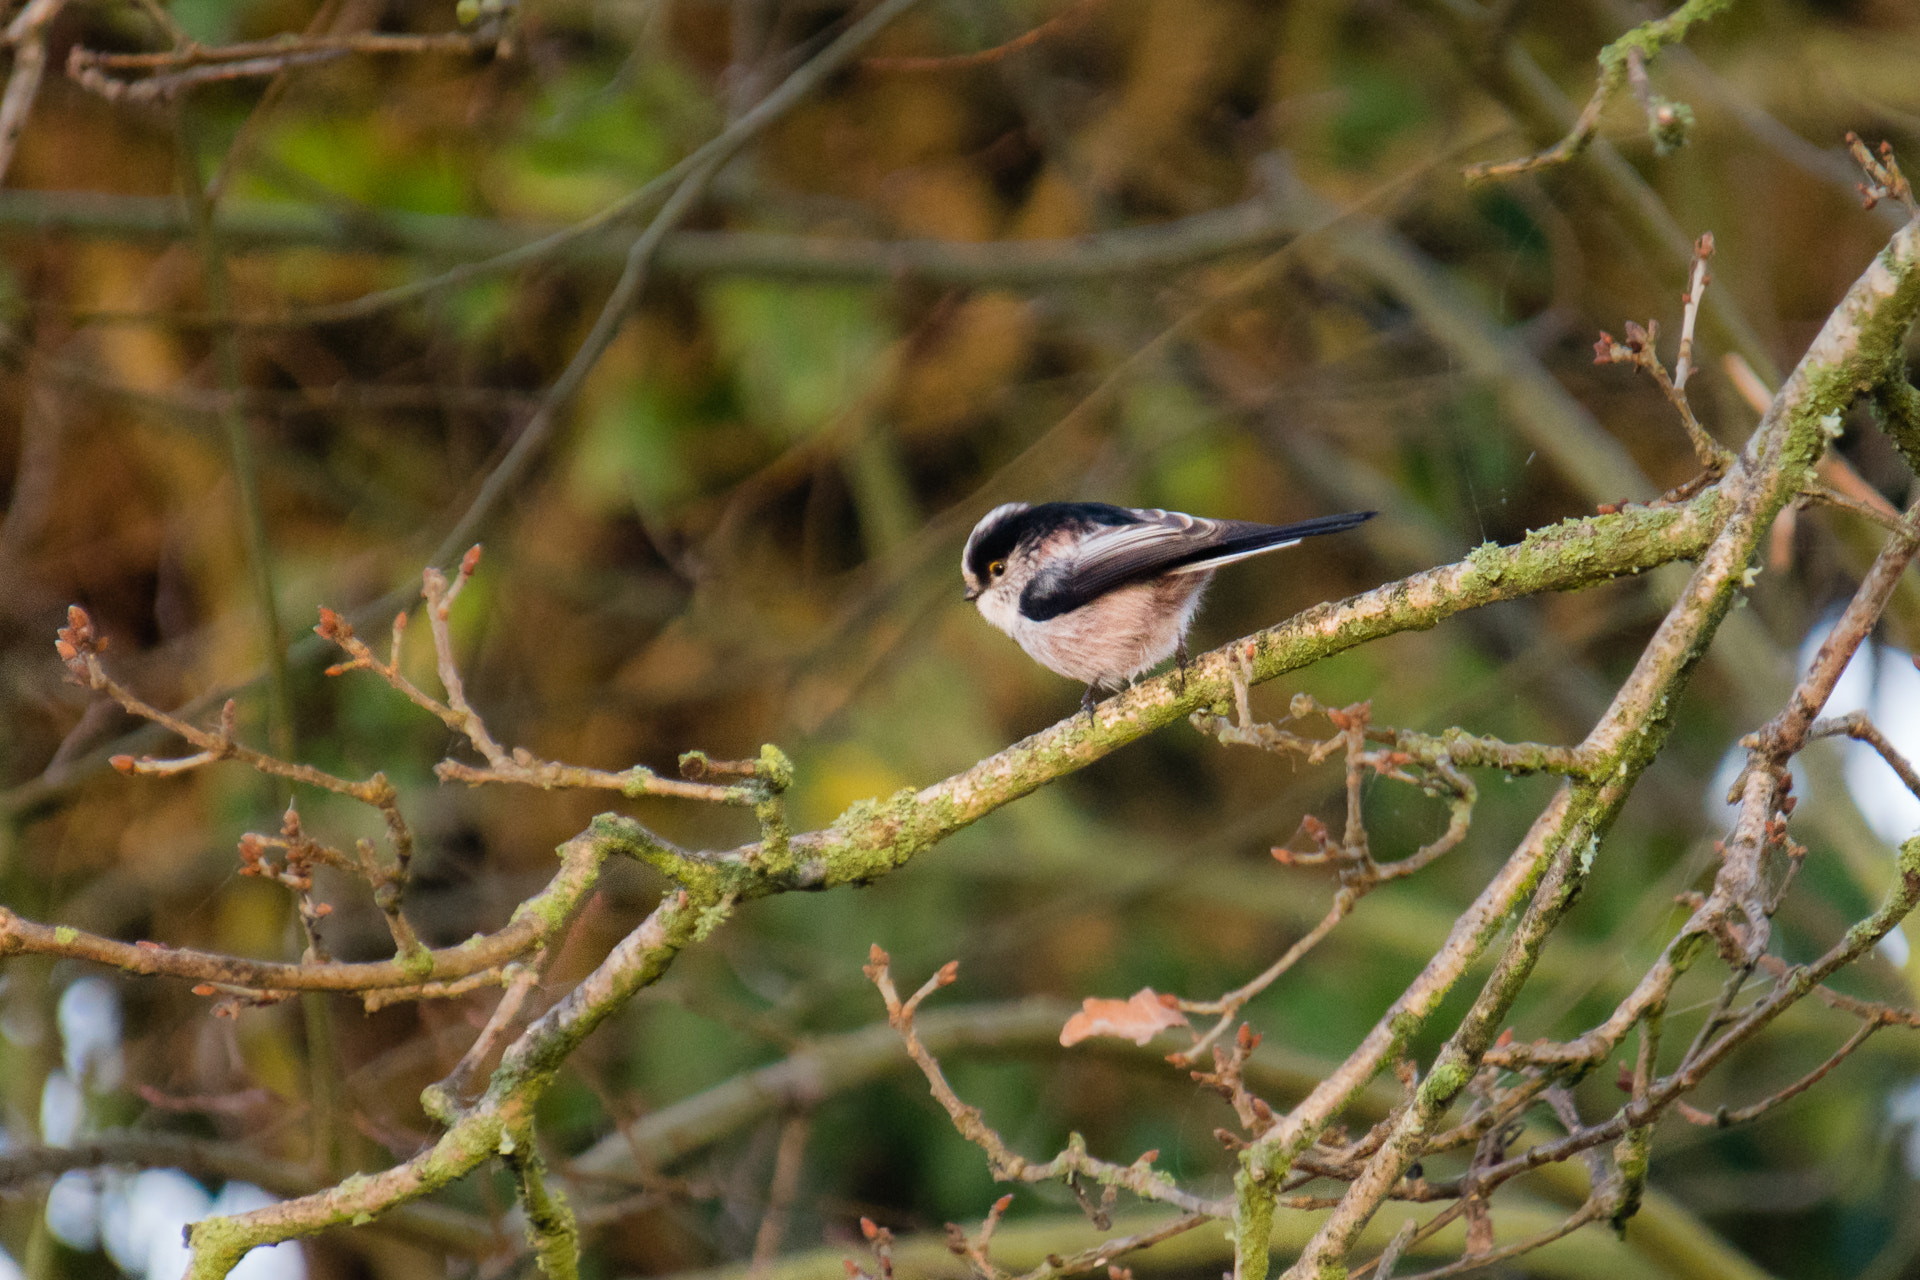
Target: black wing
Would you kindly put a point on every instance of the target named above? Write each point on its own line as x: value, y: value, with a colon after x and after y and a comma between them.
x: 1156, y: 543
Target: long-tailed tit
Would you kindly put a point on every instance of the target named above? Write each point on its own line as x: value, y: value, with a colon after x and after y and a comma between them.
x: 1100, y: 593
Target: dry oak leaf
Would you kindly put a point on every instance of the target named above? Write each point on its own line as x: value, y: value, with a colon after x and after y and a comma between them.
x: 1139, y: 1018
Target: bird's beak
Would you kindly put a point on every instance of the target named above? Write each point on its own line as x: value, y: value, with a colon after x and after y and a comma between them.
x: 971, y: 596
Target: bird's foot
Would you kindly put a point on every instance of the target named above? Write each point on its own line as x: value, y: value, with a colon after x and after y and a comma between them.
x: 1086, y: 704
x: 1181, y: 661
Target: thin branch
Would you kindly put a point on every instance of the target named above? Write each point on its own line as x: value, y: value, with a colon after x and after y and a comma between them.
x: 537, y: 923
x: 976, y: 1251
x: 1879, y: 512
x: 192, y: 64
x: 23, y: 86
x: 1792, y: 727
x: 1257, y: 224
x: 1229, y: 1005
x: 1006, y: 1165
x: 444, y: 1098
x: 1592, y: 1211
x: 448, y: 989
x: 784, y: 1186
x: 1062, y: 21
x: 1102, y: 1255
x: 433, y: 1225
x: 1873, y: 1010
x: 1721, y: 1118
x: 516, y: 766
x: 26, y: 35
x: 636, y: 780
x: 1857, y: 726
x: 1794, y: 983
x: 1638, y: 349
x: 361, y: 42
x: 1690, y: 315
x: 78, y: 645
x: 1620, y: 61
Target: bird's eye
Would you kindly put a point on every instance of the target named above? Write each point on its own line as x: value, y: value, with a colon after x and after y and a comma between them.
x: 997, y: 568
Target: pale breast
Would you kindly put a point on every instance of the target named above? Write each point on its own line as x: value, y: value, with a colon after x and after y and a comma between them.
x: 1118, y: 636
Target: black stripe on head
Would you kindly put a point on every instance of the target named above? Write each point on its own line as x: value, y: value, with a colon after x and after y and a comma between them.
x: 1030, y: 524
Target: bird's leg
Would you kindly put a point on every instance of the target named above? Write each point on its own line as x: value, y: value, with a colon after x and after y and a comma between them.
x: 1180, y: 664
x: 1086, y: 703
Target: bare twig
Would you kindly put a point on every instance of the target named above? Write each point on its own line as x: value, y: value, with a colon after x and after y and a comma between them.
x: 1062, y: 21
x: 782, y: 1189
x: 1228, y: 1006
x: 882, y: 1241
x: 1872, y: 1010
x: 1690, y: 314
x: 1638, y: 349
x: 1592, y: 1211
x: 531, y: 928
x: 79, y: 648
x: 1069, y: 1166
x: 26, y: 35
x: 192, y: 64
x: 1101, y: 1256
x: 1422, y: 760
x: 975, y: 1251
x: 1884, y: 179
x: 362, y: 42
x: 445, y: 1098
x: 23, y: 86
x: 518, y: 765
x: 1722, y: 1118
x: 1620, y: 62
x: 1857, y: 726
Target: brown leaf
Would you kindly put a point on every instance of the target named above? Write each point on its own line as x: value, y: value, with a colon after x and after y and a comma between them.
x: 1139, y: 1018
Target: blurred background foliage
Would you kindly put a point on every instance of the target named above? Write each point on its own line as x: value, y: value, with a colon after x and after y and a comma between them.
x: 745, y: 530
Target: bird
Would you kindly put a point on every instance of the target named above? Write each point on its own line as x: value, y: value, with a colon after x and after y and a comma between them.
x: 1100, y: 593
